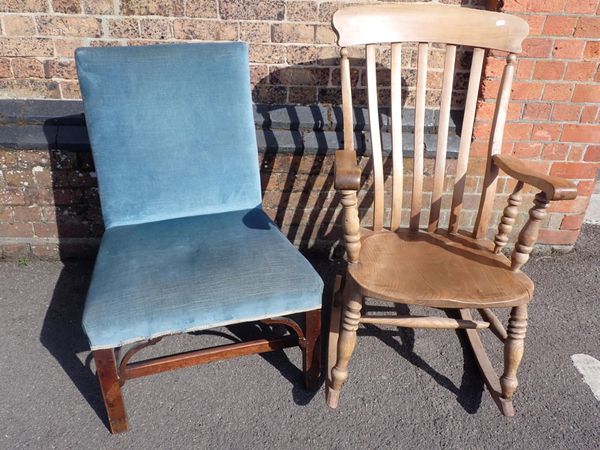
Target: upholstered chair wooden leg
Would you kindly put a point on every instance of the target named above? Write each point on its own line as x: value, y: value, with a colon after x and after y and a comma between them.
x: 106, y: 368
x: 347, y: 341
x: 513, y: 350
x: 312, y: 352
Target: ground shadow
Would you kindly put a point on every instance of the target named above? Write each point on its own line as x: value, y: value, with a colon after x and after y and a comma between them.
x: 402, y: 340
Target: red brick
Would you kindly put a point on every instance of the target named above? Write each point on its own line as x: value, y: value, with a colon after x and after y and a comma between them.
x: 546, y: 132
x: 481, y: 130
x: 586, y: 93
x: 489, y: 88
x: 527, y: 149
x: 18, y: 178
x: 548, y: 70
x: 558, y: 91
x: 560, y: 25
x: 16, y: 230
x: 485, y: 110
x: 479, y: 148
x: 555, y: 152
x: 527, y: 91
x: 524, y: 69
x: 27, y: 68
x: 581, y: 6
x: 15, y: 251
x: 45, y: 229
x: 581, y: 133
x: 588, y: 27
x: 5, y: 70
x: 546, y: 5
x: 558, y: 237
x: 11, y: 197
x: 47, y: 252
x: 576, y: 152
x: 583, y: 171
x: 580, y: 71
x: 568, y: 49
x: 589, y: 114
x: 6, y: 214
x: 592, y: 50
x: 24, y: 6
x: 27, y: 213
x: 592, y: 153
x: 586, y: 187
x: 572, y: 222
x: 494, y: 67
x: 576, y: 206
x: 537, y: 47
x: 536, y: 23
x: 566, y: 113
x: 537, y: 111
x: 66, y: 6
x: 515, y: 5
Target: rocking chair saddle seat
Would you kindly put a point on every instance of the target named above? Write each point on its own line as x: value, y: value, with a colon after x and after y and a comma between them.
x: 173, y: 276
x: 440, y: 270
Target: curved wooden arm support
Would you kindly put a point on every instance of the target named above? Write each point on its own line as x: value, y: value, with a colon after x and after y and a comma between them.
x: 529, y: 233
x: 347, y: 172
x: 555, y: 188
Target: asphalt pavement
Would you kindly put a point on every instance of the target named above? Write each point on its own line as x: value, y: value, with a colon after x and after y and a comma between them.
x: 407, y: 389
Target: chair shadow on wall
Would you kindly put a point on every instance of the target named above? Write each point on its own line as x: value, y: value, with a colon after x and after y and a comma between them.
x: 306, y: 202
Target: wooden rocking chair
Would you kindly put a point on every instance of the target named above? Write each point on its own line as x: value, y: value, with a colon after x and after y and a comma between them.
x: 436, y: 268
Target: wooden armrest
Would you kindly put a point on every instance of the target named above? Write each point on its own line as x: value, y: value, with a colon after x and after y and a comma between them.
x: 555, y: 188
x: 347, y: 172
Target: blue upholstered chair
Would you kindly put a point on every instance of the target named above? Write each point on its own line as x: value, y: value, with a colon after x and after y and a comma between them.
x: 187, y: 246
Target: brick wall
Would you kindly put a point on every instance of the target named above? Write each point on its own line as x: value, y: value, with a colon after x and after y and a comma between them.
x: 292, y: 46
x: 48, y: 195
x: 554, y: 119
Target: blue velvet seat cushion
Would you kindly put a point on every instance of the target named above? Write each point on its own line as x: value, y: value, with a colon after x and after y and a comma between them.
x: 194, y: 273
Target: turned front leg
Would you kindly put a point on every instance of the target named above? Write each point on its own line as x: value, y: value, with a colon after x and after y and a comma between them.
x: 509, y: 216
x: 513, y: 350
x: 529, y: 233
x: 346, y: 342
x: 351, y: 225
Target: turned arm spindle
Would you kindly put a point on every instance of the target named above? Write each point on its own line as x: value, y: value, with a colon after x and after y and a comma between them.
x: 509, y: 216
x: 529, y: 234
x: 351, y: 225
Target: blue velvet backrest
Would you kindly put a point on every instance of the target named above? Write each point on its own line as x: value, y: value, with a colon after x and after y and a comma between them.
x: 171, y: 129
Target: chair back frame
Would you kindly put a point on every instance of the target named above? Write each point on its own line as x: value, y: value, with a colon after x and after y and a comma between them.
x: 427, y: 23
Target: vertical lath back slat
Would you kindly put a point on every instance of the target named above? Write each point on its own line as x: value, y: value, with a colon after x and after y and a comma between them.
x: 347, y: 102
x: 419, y: 144
x: 375, y: 137
x: 488, y: 191
x: 465, y: 139
x: 442, y: 141
x: 397, y: 169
